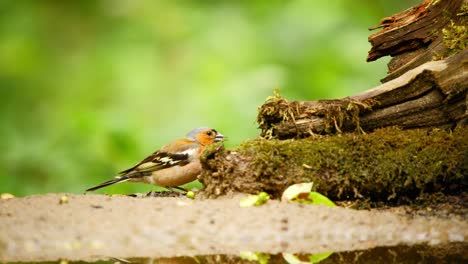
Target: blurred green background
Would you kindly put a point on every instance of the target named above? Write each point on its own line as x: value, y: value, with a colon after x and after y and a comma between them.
x: 90, y: 87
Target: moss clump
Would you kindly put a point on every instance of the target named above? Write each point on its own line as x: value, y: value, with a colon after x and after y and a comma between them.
x: 455, y: 35
x: 389, y: 165
x: 275, y: 109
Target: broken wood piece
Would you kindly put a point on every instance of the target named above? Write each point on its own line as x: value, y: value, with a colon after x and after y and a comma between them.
x: 433, y: 29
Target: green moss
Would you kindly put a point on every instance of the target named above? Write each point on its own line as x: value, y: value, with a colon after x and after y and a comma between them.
x: 463, y: 10
x: 275, y: 109
x: 455, y: 35
x: 388, y: 165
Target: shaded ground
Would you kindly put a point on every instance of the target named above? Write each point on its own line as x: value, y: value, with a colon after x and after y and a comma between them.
x: 92, y: 227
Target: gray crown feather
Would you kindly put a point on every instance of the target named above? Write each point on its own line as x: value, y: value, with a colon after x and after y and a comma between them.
x: 192, y: 134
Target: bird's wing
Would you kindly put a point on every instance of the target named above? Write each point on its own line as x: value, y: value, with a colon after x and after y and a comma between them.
x: 163, y: 159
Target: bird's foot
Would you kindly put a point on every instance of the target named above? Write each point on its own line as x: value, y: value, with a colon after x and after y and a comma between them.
x: 178, y: 188
x: 162, y: 194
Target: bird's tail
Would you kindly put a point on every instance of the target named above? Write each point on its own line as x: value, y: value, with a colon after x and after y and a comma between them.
x: 107, y: 183
x: 122, y: 178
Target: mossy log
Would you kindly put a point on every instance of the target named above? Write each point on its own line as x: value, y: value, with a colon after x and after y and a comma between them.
x: 389, y: 165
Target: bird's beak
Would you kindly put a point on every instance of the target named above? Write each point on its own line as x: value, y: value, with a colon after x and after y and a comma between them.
x: 219, y: 137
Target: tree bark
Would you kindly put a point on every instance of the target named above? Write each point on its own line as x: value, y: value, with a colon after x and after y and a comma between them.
x: 419, y: 34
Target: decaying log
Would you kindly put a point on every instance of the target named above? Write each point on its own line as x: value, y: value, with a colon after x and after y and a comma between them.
x: 432, y: 95
x: 426, y: 86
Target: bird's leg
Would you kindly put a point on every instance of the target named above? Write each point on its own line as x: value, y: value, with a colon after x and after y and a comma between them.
x: 182, y: 189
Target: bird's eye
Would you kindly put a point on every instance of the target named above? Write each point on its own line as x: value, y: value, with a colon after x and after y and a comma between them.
x: 209, y: 133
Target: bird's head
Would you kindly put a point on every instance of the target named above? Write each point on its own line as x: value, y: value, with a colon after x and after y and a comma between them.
x: 205, y: 136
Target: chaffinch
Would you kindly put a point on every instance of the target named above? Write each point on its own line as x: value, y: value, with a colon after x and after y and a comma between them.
x: 174, y: 164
